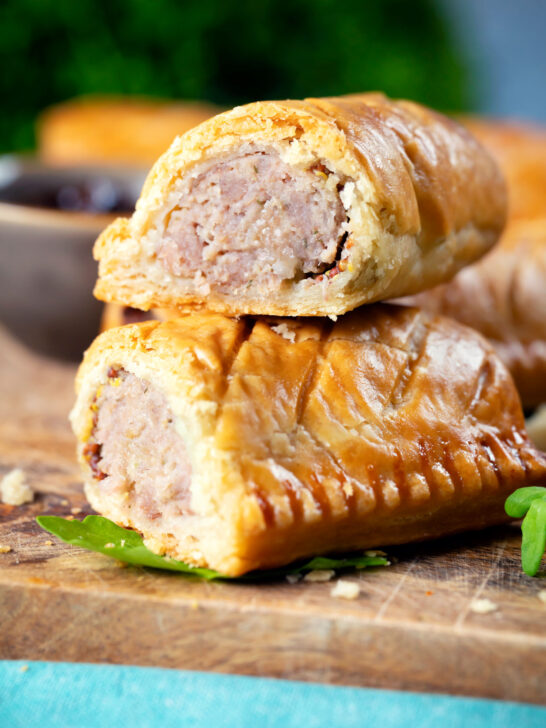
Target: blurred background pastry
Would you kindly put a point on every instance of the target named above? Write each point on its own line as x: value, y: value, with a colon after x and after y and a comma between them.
x: 520, y: 151
x: 115, y: 129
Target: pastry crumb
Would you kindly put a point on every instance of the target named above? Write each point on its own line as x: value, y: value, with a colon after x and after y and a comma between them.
x: 348, y: 489
x: 320, y: 575
x: 345, y: 589
x: 293, y: 578
x: 75, y: 511
x: 109, y: 545
x: 542, y: 595
x: 65, y: 502
x: 374, y: 552
x: 23, y: 668
x: 347, y: 195
x: 285, y: 331
x: 281, y: 445
x: 4, y: 549
x: 483, y: 606
x: 14, y: 491
x: 48, y: 543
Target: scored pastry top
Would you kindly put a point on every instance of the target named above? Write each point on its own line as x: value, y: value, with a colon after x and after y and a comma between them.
x: 305, y: 208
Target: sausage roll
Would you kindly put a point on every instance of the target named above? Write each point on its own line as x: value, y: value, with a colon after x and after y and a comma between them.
x: 115, y: 130
x: 305, y: 208
x: 520, y: 152
x: 240, y: 445
x: 504, y: 297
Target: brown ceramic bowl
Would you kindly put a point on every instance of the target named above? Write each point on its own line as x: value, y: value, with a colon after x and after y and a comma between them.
x: 47, y: 271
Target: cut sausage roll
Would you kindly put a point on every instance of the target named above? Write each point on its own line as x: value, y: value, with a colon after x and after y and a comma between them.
x: 504, y: 297
x: 240, y: 445
x: 305, y: 208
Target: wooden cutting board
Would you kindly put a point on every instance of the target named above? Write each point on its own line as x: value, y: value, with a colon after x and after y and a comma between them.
x: 412, y: 627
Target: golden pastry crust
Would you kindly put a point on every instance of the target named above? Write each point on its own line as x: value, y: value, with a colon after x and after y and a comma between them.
x: 423, y: 198
x: 308, y: 437
x: 520, y: 151
x: 115, y: 130
x: 504, y: 297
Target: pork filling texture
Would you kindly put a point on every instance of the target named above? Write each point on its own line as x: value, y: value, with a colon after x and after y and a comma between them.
x: 253, y: 218
x: 135, y: 452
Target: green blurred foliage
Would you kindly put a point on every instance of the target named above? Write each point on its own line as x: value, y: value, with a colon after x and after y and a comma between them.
x: 223, y: 51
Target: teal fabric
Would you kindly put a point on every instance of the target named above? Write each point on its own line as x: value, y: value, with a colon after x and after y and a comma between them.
x: 62, y: 695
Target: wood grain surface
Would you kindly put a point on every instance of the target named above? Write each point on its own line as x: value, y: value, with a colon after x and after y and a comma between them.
x: 412, y: 626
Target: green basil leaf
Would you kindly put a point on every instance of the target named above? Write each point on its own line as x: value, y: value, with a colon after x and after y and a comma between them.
x: 100, y: 534
x: 533, y: 530
x: 97, y: 533
x: 519, y: 502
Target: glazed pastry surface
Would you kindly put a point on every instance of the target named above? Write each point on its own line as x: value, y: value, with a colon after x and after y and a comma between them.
x: 248, y: 444
x: 305, y: 208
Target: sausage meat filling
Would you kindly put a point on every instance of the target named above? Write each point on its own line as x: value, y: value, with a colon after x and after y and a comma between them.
x: 251, y: 217
x: 135, y: 452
